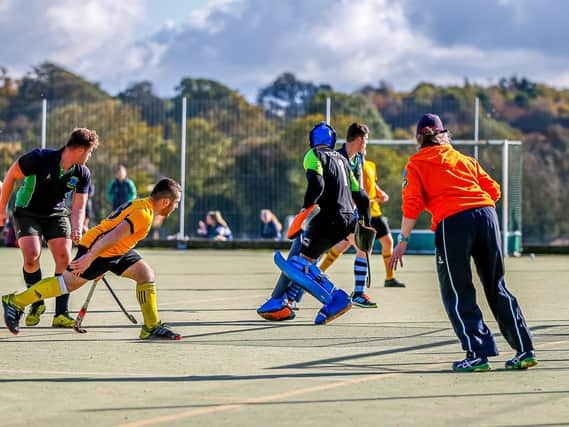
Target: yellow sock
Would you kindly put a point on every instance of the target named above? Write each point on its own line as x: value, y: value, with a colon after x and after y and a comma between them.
x: 46, y: 288
x: 389, y: 273
x: 146, y: 296
x: 329, y: 259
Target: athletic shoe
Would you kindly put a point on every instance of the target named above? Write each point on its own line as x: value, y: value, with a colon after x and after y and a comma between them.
x: 471, y: 364
x: 63, y: 320
x: 159, y: 332
x: 339, y: 304
x: 33, y: 317
x: 363, y: 300
x: 522, y: 360
x: 12, y: 314
x: 393, y: 283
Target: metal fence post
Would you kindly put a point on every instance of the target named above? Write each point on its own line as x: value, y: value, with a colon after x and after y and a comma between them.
x: 505, y: 198
x: 476, y: 123
x: 181, y: 234
x: 43, y: 122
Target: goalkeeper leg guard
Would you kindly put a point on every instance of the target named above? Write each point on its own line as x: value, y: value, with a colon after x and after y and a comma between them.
x: 146, y: 297
x: 310, y: 277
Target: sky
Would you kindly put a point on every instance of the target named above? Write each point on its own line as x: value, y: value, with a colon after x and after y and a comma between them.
x: 247, y: 44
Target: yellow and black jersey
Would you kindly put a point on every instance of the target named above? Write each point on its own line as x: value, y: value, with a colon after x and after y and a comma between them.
x: 139, y: 214
x: 370, y: 180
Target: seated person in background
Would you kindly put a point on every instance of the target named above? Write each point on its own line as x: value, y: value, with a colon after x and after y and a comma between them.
x: 271, y: 228
x: 214, y: 227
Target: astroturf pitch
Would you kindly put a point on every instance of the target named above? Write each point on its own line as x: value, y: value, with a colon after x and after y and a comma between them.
x: 370, y: 367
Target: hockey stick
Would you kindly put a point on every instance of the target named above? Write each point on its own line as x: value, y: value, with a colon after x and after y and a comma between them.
x: 83, y: 311
x: 126, y: 313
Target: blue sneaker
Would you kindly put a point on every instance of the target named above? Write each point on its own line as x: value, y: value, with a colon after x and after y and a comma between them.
x: 276, y: 309
x: 471, y: 364
x: 340, y: 304
x: 522, y: 360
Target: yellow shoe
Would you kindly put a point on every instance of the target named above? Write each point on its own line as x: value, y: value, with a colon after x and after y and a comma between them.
x: 63, y: 321
x: 33, y: 317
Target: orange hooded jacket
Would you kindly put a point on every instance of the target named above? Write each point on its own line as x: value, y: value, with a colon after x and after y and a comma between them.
x: 444, y: 182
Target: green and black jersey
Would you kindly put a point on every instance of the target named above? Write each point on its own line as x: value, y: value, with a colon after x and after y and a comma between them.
x: 337, y: 180
x: 46, y: 184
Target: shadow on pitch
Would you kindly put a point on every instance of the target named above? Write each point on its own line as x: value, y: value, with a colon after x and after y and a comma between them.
x: 406, y: 398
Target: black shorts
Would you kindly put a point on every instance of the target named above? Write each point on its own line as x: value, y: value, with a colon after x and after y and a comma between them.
x: 50, y: 227
x: 381, y: 225
x: 324, y: 232
x: 116, y: 264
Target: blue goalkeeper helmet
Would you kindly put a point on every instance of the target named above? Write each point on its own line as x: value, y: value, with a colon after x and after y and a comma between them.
x: 322, y: 134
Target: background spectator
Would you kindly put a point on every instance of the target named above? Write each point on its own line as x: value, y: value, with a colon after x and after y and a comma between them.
x: 270, y: 226
x: 121, y: 189
x: 214, y: 227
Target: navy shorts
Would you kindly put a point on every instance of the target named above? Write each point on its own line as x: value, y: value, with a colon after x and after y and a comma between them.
x: 48, y: 227
x: 324, y: 232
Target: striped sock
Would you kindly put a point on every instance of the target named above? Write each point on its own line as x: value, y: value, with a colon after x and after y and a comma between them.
x: 360, y: 274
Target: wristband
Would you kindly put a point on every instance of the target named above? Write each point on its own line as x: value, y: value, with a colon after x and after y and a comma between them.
x: 402, y: 238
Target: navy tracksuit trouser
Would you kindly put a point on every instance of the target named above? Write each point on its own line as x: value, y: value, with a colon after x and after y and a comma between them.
x: 475, y: 233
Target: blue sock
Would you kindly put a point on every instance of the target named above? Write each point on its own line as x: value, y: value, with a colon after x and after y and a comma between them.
x: 360, y: 274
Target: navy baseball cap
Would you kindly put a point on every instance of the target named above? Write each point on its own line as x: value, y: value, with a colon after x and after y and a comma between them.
x: 430, y: 124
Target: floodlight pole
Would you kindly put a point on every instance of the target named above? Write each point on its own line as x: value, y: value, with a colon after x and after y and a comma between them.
x: 328, y: 109
x: 181, y: 234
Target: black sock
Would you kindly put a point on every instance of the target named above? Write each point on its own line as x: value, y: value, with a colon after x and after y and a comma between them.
x: 31, y: 279
x: 61, y: 303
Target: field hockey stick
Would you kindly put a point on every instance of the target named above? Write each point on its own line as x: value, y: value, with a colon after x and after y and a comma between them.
x: 126, y: 313
x: 83, y: 311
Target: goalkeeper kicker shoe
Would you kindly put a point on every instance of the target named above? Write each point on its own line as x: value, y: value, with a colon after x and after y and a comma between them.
x: 159, y: 332
x: 63, y: 320
x: 36, y: 310
x: 276, y: 309
x: 12, y: 314
x: 522, y: 360
x: 471, y: 364
x: 340, y: 304
x: 362, y: 300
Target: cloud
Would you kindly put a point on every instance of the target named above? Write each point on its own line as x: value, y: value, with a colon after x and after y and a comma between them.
x: 246, y: 44
x: 89, y: 37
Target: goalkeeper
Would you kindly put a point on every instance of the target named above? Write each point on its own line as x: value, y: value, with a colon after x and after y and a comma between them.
x: 109, y: 247
x: 331, y: 186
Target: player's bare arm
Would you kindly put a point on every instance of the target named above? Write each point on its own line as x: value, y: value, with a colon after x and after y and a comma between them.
x: 81, y: 264
x: 14, y: 174
x: 78, y: 206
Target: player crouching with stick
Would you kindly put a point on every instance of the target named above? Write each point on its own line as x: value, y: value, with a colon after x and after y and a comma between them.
x: 109, y: 247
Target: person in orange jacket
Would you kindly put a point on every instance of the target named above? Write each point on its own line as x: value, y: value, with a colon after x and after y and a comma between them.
x: 461, y: 198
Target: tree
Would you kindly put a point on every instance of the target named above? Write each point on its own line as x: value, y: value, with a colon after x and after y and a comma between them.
x: 287, y: 96
x: 356, y: 107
